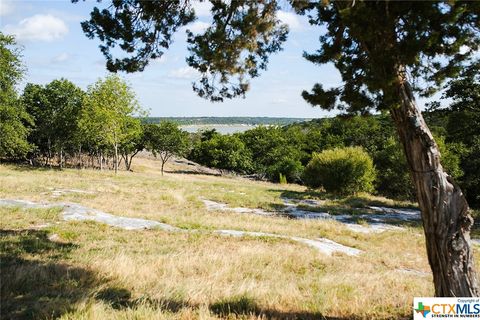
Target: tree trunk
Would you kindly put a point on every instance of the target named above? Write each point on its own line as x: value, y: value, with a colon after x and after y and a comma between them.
x: 49, y: 153
x: 61, y: 158
x: 100, y: 160
x: 128, y: 161
x: 80, y: 164
x: 119, y: 161
x: 445, y: 213
x: 163, y: 164
x: 115, y: 160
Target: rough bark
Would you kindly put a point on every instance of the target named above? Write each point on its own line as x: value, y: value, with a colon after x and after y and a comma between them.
x: 445, y: 213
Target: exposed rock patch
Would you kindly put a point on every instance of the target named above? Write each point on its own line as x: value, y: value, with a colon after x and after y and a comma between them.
x: 73, y: 211
x: 77, y: 212
x: 218, y: 206
x: 374, y: 223
x: 322, y: 244
x: 60, y: 192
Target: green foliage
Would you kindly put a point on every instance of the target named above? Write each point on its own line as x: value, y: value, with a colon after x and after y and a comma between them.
x: 341, y: 170
x: 373, y: 43
x: 13, y: 133
x: 108, y: 113
x: 56, y: 110
x: 369, y: 132
x: 463, y: 123
x: 282, y: 179
x: 223, y: 152
x: 233, y: 49
x: 276, y: 150
x: 471, y: 179
x: 450, y: 156
x: 369, y: 42
x: 285, y: 161
x: 165, y: 140
x: 393, y: 177
x: 107, y: 119
x: 143, y: 29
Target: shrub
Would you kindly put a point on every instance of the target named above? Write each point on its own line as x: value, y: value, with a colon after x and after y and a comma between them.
x: 341, y: 170
x: 290, y: 168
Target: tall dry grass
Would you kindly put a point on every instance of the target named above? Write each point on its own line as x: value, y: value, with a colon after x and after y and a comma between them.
x: 92, y: 271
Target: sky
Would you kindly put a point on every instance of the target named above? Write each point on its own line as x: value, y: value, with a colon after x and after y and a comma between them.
x: 54, y: 46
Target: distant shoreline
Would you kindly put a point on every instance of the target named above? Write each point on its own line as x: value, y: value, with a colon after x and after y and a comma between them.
x: 220, y: 125
x: 221, y: 128
x: 227, y: 121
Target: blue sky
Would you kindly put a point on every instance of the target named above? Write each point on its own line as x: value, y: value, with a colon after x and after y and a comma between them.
x: 55, y: 46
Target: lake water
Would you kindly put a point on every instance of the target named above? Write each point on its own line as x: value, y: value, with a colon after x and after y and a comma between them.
x: 223, y: 129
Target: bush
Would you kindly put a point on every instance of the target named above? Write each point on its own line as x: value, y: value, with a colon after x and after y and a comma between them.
x: 286, y: 163
x: 341, y: 171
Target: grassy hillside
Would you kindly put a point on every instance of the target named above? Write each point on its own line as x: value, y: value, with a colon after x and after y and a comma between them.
x: 87, y: 270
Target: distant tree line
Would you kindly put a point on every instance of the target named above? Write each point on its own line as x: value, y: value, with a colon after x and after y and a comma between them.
x: 226, y: 120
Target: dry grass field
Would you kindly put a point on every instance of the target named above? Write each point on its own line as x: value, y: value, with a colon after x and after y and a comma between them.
x: 87, y: 270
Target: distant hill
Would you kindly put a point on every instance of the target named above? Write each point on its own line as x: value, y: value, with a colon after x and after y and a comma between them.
x: 227, y: 120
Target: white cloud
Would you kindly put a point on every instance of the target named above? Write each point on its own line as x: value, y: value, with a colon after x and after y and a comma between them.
x: 39, y: 27
x: 202, y: 9
x: 5, y: 8
x: 183, y: 73
x: 197, y: 27
x: 62, y: 57
x: 291, y: 19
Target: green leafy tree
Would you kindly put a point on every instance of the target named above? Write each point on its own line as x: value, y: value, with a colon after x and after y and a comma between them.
x: 108, y: 114
x: 463, y: 127
x: 276, y: 151
x: 37, y: 105
x: 56, y: 110
x: 225, y: 152
x: 166, y: 140
x: 382, y: 50
x: 13, y: 133
x: 130, y: 148
x: 393, y: 178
